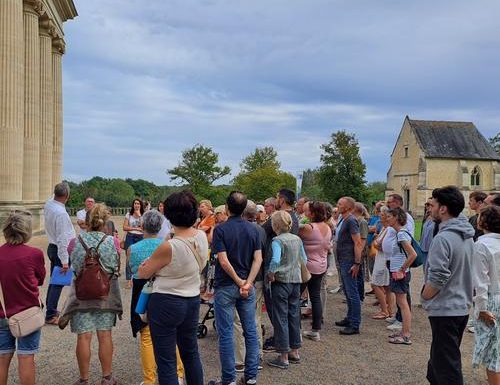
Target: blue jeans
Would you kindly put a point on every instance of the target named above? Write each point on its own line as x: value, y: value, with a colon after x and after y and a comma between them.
x: 351, y: 289
x: 29, y: 344
x: 173, y: 320
x: 53, y: 291
x: 227, y: 299
x: 286, y: 316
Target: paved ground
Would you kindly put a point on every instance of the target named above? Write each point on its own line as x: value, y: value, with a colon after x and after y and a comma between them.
x: 344, y: 360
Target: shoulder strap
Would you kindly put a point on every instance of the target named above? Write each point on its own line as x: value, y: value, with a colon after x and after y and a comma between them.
x: 85, y: 247
x: 101, y: 241
x: 193, y: 250
x: 2, y: 300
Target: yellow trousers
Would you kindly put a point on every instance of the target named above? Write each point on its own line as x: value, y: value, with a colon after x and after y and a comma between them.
x: 148, y: 358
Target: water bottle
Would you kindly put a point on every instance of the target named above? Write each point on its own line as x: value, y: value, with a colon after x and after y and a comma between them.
x: 142, y: 303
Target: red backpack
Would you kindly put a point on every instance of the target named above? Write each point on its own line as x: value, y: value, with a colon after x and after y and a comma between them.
x: 93, y: 281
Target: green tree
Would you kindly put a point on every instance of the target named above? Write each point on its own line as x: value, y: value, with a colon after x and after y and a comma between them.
x: 199, y: 168
x: 375, y: 191
x: 264, y: 183
x: 310, y: 185
x: 342, y: 171
x: 264, y: 157
x: 495, y: 142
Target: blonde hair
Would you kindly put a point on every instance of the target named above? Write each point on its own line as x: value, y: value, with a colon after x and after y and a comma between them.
x: 17, y: 228
x: 281, y: 222
x: 97, y: 217
x: 207, y: 203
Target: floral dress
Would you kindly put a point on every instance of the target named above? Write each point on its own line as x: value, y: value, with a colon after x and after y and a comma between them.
x: 90, y: 321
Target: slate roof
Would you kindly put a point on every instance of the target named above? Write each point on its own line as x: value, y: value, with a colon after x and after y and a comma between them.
x: 457, y: 140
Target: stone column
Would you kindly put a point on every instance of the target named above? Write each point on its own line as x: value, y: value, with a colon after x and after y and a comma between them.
x: 58, y: 48
x: 46, y: 109
x: 11, y: 100
x: 31, y: 172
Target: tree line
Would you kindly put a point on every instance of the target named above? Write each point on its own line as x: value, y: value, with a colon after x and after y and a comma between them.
x: 341, y: 172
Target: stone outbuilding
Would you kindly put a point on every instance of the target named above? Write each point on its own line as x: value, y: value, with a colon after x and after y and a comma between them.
x: 430, y: 154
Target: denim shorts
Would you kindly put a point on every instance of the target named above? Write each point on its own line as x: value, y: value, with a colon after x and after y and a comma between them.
x: 401, y: 286
x: 29, y: 344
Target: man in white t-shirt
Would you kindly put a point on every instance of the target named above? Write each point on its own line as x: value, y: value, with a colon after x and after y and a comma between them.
x: 82, y: 214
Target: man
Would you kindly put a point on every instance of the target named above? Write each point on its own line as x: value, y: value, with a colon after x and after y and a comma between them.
x: 239, y: 258
x: 81, y: 215
x: 250, y: 215
x: 492, y: 199
x: 476, y: 203
x: 360, y: 213
x: 447, y: 293
x: 349, y: 249
x: 270, y: 206
x: 299, y: 209
x: 284, y: 201
x: 396, y: 200
x: 60, y: 232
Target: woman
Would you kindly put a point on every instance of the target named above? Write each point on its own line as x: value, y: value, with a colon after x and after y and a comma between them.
x: 132, y: 225
x: 96, y: 315
x: 486, y: 269
x: 139, y: 252
x: 285, y: 277
x: 166, y: 228
x: 173, y: 308
x: 402, y: 256
x: 207, y: 222
x: 381, y: 277
x: 316, y: 236
x: 22, y: 271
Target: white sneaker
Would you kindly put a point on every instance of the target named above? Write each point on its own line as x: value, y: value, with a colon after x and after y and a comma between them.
x: 396, y: 325
x: 334, y: 291
x: 311, y: 335
x: 471, y: 329
x: 390, y: 320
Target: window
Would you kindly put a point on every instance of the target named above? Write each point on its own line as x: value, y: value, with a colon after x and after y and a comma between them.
x: 406, y: 151
x: 475, y: 177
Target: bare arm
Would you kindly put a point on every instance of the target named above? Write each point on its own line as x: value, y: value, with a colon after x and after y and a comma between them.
x: 358, y: 247
x: 257, y: 262
x: 411, y: 254
x: 305, y: 231
x: 161, y: 257
x: 228, y: 268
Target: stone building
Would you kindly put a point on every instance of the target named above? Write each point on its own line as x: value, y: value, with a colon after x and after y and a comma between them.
x: 31, y: 116
x: 430, y: 154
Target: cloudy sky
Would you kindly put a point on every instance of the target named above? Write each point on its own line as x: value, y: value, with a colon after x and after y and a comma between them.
x: 144, y: 80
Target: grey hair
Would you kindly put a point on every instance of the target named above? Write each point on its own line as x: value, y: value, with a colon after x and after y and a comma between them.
x: 250, y: 212
x: 17, y: 228
x: 271, y: 201
x: 152, y: 221
x: 61, y: 190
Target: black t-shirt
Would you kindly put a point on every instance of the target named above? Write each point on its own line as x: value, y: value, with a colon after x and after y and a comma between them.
x: 239, y: 239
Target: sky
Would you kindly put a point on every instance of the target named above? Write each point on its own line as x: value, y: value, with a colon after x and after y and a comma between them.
x: 145, y: 80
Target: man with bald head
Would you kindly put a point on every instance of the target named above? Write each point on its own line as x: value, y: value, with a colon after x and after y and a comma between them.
x: 349, y: 249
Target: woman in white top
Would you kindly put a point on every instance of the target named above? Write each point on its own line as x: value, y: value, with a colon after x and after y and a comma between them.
x: 486, y: 268
x: 174, y: 306
x: 132, y: 225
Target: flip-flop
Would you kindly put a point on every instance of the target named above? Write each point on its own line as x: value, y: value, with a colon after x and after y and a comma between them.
x: 400, y: 340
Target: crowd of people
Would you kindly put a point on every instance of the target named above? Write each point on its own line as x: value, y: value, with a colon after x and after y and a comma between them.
x: 279, y: 253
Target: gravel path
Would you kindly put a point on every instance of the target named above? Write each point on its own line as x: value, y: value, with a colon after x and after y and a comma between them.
x: 344, y: 360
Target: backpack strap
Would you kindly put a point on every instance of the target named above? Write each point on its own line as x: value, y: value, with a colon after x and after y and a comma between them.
x: 85, y: 247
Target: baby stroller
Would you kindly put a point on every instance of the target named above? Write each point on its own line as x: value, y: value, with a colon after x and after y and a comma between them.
x: 207, y: 297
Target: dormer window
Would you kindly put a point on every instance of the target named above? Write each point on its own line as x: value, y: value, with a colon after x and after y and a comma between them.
x: 406, y: 151
x: 475, y: 177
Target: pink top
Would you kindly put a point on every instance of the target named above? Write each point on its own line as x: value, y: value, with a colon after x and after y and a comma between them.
x: 316, y: 246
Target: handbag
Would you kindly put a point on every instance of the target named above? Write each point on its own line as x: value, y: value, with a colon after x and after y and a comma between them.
x: 25, y: 322
x: 305, y: 275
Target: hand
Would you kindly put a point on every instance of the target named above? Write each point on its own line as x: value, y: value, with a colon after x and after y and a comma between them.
x: 487, y: 317
x: 245, y: 290
x: 354, y: 270
x: 64, y: 268
x: 270, y: 277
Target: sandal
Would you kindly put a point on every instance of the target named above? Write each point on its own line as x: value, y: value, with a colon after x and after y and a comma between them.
x: 380, y: 315
x: 400, y: 340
